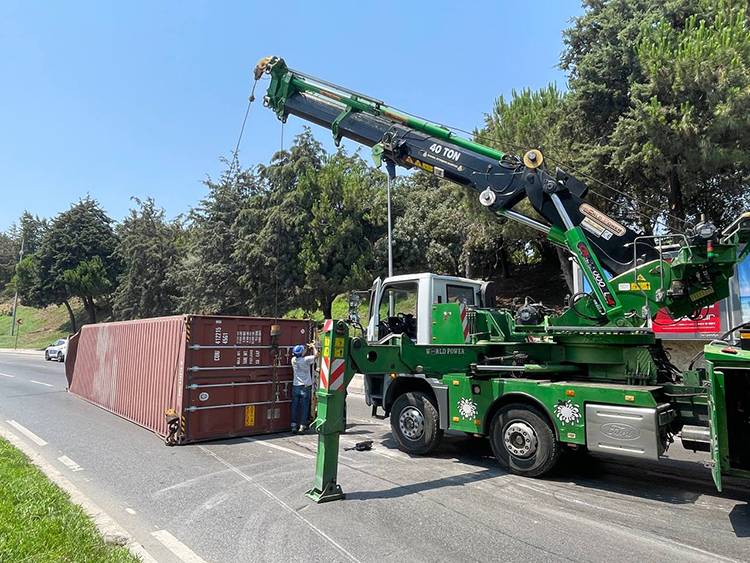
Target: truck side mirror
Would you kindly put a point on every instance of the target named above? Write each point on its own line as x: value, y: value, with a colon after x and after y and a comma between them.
x: 488, y: 294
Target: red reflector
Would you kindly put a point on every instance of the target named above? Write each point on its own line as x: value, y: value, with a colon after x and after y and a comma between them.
x: 729, y: 350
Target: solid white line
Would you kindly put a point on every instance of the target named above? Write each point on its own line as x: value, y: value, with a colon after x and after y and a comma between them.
x: 41, y: 383
x: 281, y: 503
x: 7, y: 375
x: 174, y: 545
x: 69, y: 463
x: 280, y: 448
x: 26, y: 432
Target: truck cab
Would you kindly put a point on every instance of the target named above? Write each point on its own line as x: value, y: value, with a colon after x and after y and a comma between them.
x: 403, y: 304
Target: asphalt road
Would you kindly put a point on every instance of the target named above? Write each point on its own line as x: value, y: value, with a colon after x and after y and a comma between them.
x: 242, y: 500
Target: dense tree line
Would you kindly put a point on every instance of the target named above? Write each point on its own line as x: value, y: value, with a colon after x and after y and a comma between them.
x: 654, y: 120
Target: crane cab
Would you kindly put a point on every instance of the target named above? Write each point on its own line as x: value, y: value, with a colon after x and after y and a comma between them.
x: 403, y: 304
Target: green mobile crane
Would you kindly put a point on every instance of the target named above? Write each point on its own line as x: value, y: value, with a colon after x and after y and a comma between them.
x: 438, y: 355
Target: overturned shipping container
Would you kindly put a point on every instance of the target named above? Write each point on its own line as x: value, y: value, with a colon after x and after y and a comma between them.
x: 189, y: 378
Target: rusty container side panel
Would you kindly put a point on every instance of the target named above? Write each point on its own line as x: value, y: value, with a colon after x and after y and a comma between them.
x: 134, y: 369
x: 239, y: 376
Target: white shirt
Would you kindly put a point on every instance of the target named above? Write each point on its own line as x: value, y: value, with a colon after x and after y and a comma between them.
x: 301, y: 366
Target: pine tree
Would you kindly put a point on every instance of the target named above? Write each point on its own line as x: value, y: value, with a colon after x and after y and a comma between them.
x: 147, y: 250
x: 75, y: 258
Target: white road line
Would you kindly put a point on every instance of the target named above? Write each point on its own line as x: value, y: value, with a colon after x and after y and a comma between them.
x: 281, y: 503
x: 280, y: 448
x: 41, y: 383
x: 7, y: 375
x: 129, y: 510
x: 69, y: 463
x: 26, y: 432
x: 183, y: 552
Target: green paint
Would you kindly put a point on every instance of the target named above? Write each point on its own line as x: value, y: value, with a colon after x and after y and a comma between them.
x: 329, y: 422
x: 284, y: 83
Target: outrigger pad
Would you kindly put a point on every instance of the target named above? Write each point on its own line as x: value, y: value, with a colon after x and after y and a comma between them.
x: 331, y: 492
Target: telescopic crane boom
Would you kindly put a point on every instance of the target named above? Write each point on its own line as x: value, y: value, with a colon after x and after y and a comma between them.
x: 602, y: 246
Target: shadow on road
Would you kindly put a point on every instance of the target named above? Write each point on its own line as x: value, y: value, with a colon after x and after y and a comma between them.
x: 740, y: 519
x: 680, y: 481
x: 434, y: 484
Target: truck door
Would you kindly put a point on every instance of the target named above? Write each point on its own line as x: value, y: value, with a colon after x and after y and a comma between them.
x: 715, y: 412
x: 397, y: 309
x: 372, y: 311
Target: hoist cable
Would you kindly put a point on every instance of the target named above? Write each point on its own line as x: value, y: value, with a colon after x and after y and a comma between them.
x: 250, y: 100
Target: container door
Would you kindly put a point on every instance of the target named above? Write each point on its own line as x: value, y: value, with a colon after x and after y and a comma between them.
x: 715, y: 411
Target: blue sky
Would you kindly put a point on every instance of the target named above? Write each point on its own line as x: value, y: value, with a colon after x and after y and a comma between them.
x: 143, y: 98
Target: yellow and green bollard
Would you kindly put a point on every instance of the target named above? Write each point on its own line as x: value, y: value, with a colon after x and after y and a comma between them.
x: 336, y: 372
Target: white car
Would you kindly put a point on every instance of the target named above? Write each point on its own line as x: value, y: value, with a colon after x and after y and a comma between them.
x: 57, y: 350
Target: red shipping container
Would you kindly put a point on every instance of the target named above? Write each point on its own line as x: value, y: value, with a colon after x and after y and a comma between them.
x: 190, y: 378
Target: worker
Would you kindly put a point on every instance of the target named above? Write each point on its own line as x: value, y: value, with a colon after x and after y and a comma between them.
x: 302, y: 385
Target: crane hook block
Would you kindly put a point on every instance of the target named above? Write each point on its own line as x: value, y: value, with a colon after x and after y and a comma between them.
x: 533, y: 158
x: 262, y: 65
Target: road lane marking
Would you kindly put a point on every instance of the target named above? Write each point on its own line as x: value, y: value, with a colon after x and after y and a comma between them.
x: 69, y: 463
x: 26, y: 432
x: 7, y: 375
x: 183, y: 552
x: 41, y: 383
x: 280, y: 448
x: 281, y: 503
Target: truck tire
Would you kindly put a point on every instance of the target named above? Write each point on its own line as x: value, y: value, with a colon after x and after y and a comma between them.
x: 523, y: 441
x: 415, y: 423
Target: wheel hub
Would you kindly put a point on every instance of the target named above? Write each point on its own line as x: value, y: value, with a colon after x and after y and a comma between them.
x: 520, y: 439
x: 411, y: 423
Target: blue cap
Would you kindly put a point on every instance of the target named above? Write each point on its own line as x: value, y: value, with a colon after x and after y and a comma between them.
x: 298, y: 350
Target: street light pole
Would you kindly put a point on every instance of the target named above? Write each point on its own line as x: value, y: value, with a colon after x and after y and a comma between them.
x: 15, y: 299
x: 390, y: 167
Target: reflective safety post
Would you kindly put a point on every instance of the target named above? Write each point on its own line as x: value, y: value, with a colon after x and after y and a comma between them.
x: 335, y: 374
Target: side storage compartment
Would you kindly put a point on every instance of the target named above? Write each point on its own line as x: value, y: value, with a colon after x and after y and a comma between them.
x: 628, y: 431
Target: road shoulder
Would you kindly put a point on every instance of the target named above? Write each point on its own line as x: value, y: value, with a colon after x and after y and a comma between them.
x: 110, y: 530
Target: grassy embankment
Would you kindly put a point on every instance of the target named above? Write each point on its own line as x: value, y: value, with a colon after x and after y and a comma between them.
x: 39, y: 523
x: 39, y: 327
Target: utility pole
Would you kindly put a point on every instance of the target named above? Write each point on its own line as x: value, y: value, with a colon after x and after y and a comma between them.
x: 15, y: 299
x: 390, y: 167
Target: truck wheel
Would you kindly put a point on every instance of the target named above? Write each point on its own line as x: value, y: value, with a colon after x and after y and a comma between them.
x: 523, y: 441
x: 415, y: 423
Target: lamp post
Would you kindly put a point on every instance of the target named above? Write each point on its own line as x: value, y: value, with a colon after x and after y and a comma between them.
x: 15, y: 299
x: 391, y: 169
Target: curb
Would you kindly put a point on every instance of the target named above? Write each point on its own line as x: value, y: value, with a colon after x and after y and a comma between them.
x: 25, y: 351
x: 112, y: 533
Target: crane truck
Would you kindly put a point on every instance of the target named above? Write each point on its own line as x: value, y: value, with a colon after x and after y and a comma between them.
x: 437, y: 354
